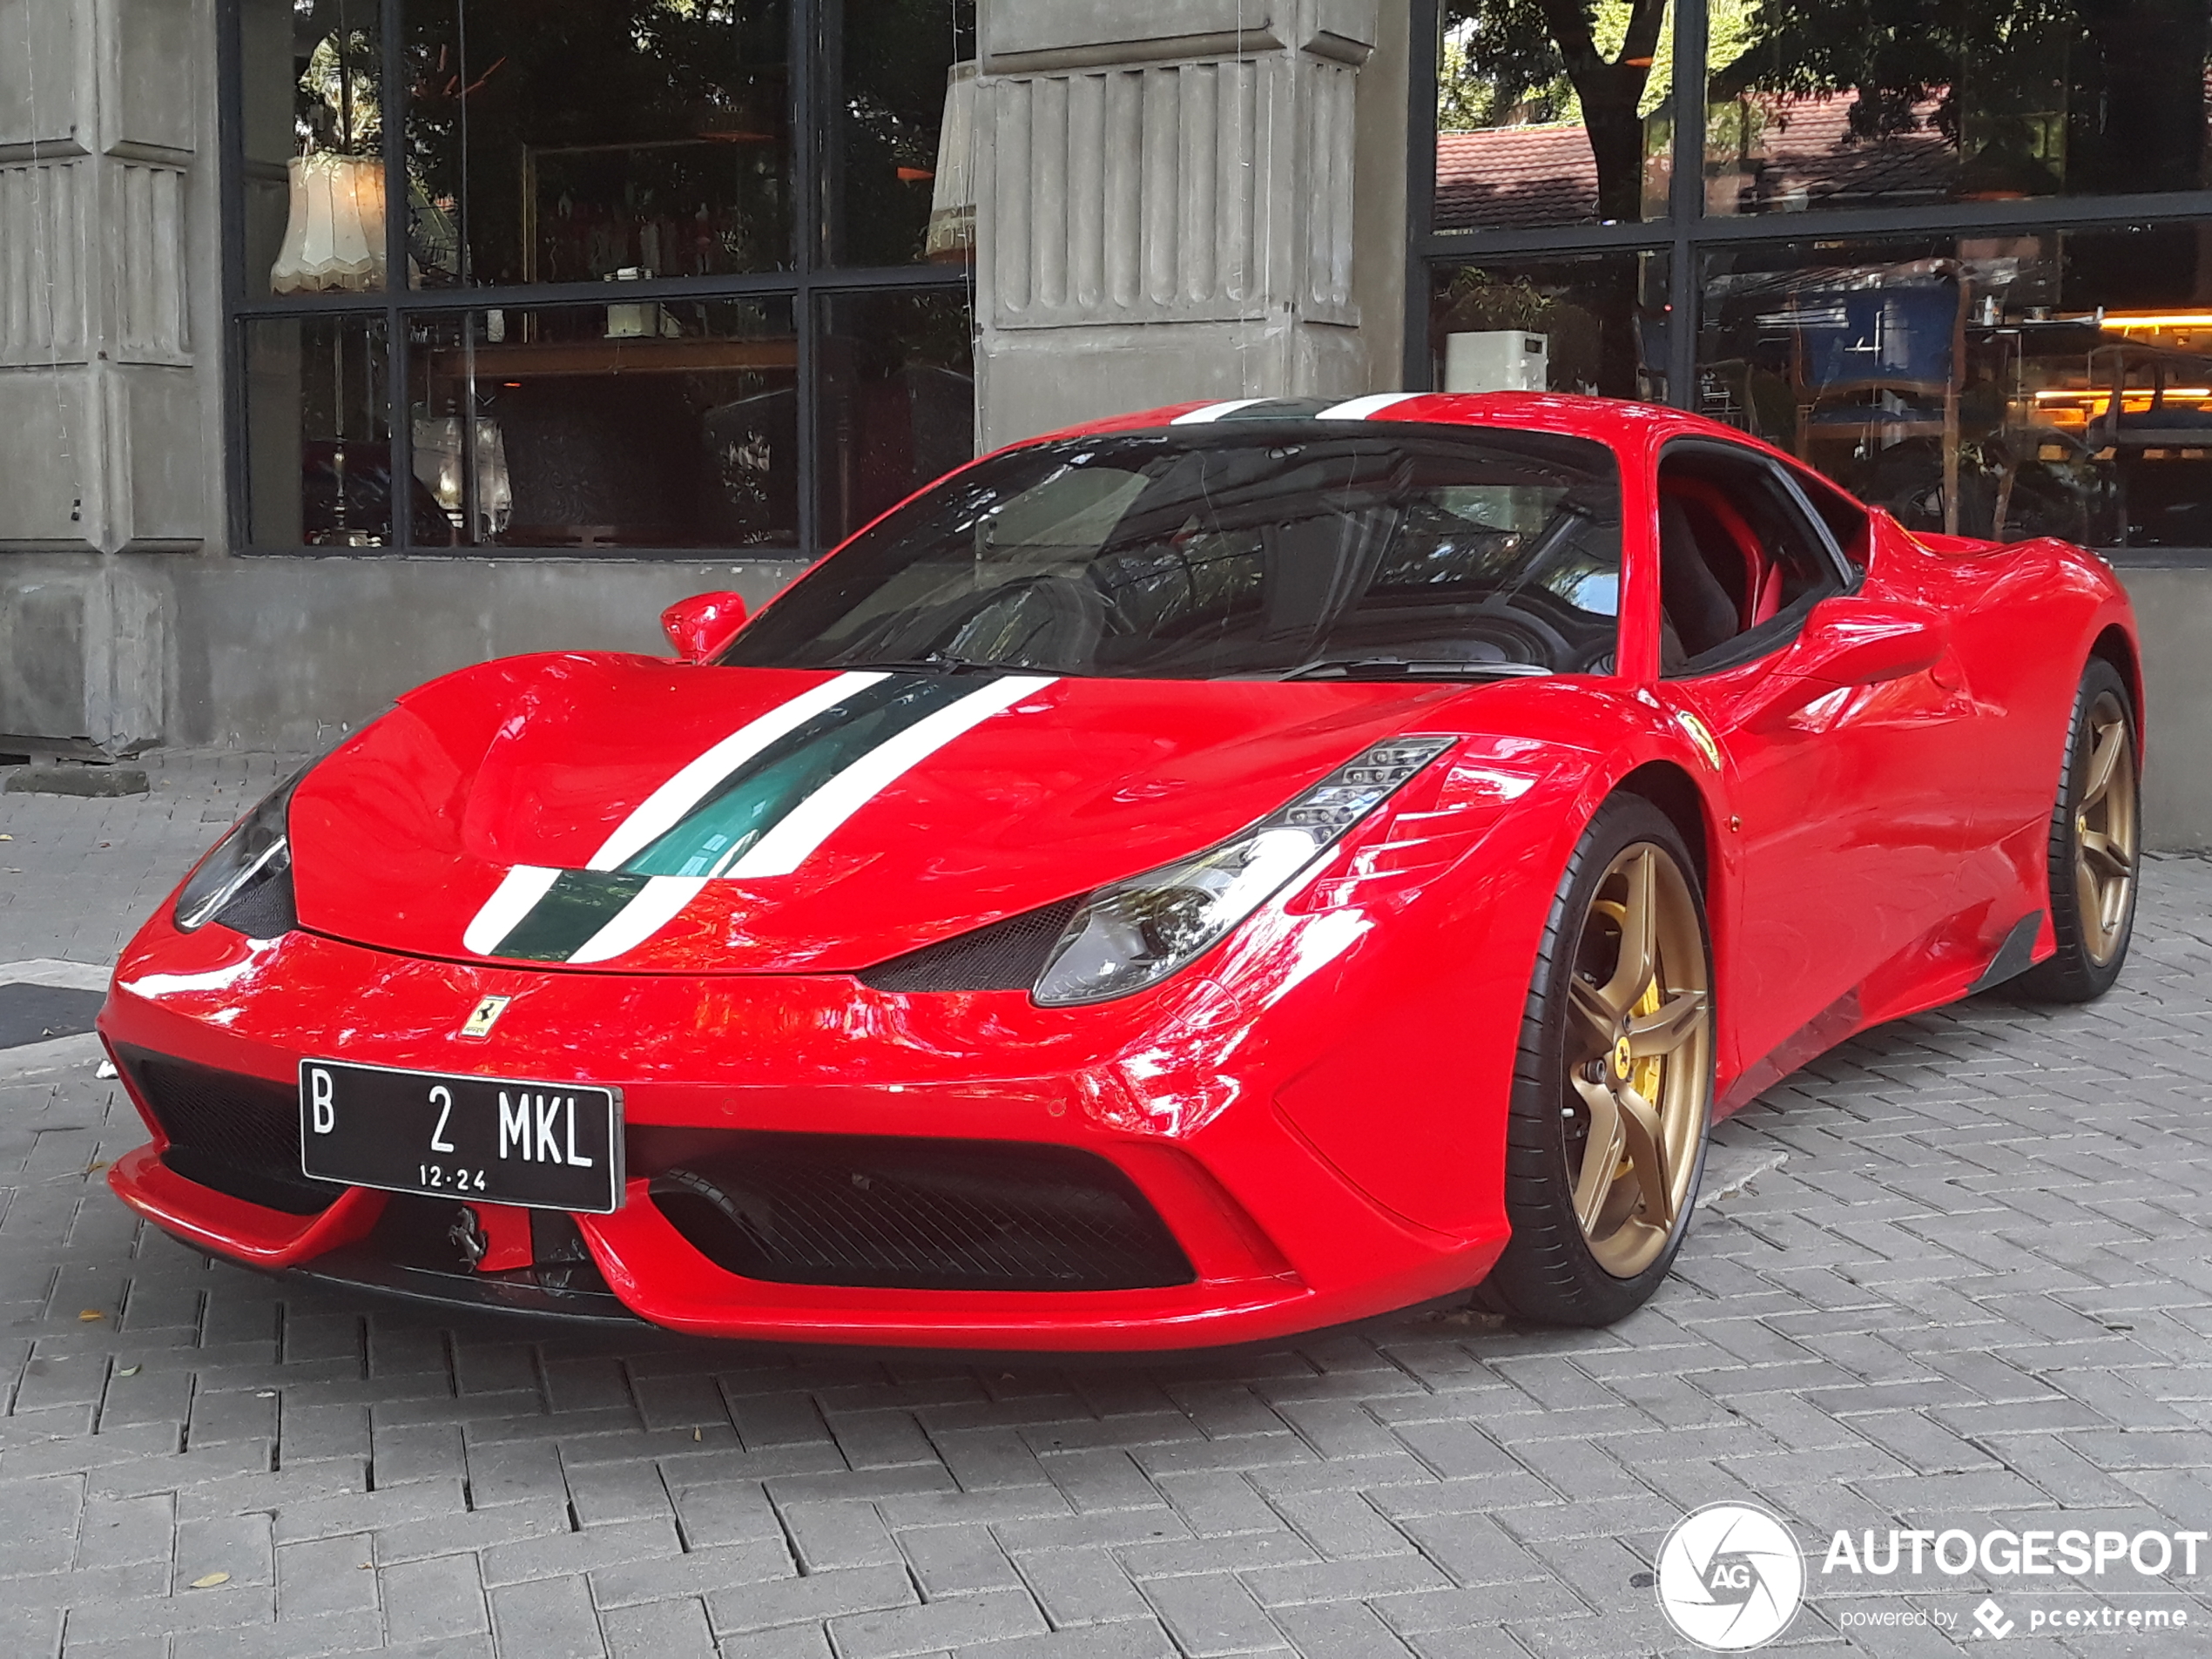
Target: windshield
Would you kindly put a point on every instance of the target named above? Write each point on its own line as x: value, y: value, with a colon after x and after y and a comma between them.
x: 1217, y: 552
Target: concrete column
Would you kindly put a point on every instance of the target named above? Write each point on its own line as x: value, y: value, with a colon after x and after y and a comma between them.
x: 107, y: 421
x: 1186, y: 198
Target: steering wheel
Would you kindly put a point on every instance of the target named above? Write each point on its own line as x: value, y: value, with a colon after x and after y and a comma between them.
x: 1068, y: 620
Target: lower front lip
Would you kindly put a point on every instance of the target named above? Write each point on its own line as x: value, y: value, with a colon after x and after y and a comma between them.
x: 1279, y: 1239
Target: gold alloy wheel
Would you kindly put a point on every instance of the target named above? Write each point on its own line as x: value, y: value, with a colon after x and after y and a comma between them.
x: 2105, y: 831
x: 1639, y: 1059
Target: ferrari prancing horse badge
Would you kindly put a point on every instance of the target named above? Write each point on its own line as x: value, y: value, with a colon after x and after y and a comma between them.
x: 484, y: 1015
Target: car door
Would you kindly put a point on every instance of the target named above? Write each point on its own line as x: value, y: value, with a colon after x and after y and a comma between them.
x: 1843, y: 848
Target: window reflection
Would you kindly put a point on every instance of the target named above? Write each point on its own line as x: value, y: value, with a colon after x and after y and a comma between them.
x: 1596, y: 324
x: 1815, y: 105
x: 629, y: 425
x: 1554, y: 114
x: 2058, y: 383
x: 318, y: 434
x: 895, y: 177
x: 898, y: 400
x: 598, y: 140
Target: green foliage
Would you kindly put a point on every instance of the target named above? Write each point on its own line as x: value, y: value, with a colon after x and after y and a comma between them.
x: 1901, y: 56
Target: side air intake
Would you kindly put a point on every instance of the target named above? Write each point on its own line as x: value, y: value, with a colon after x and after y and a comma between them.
x: 237, y: 1134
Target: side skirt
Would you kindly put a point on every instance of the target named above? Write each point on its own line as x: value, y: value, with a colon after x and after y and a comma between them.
x: 2014, y: 957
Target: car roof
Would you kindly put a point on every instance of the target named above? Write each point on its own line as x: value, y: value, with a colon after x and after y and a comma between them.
x: 1613, y: 421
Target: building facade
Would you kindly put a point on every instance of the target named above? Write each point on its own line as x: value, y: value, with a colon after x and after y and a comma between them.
x: 346, y: 341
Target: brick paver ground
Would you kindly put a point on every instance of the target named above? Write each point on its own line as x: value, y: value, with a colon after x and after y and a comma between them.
x: 1975, y: 1295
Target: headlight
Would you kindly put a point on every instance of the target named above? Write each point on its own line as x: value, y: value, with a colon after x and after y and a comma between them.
x: 1137, y: 932
x: 251, y: 861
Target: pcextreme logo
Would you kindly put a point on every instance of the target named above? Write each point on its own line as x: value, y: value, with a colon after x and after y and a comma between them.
x: 1731, y: 1577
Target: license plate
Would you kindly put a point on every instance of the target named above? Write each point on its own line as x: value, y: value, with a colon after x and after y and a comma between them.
x: 542, y: 1145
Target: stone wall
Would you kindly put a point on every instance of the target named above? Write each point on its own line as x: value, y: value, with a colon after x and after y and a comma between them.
x: 1175, y: 201
x: 109, y: 323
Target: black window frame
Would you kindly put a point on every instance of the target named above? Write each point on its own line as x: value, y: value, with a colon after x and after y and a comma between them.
x: 1686, y: 231
x: 1781, y: 630
x: 810, y: 283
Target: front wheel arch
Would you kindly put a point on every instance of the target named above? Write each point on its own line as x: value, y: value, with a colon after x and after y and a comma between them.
x: 1554, y: 1269
x: 1675, y: 793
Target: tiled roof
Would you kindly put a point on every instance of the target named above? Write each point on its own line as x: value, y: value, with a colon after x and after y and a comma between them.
x: 1516, y: 178
x: 1510, y: 178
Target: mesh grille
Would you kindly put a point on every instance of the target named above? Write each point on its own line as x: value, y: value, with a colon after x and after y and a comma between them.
x: 1005, y: 956
x: 238, y: 1134
x: 920, y: 1215
x: 263, y: 911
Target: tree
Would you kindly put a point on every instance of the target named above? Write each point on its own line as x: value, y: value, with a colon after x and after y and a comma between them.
x: 2037, y: 97
x: 1556, y: 59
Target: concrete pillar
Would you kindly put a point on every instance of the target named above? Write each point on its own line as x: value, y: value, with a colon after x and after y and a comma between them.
x: 1186, y: 198
x: 107, y: 421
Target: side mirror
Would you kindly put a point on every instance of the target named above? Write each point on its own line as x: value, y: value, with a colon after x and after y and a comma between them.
x: 1860, y: 642
x: 701, y: 625
x: 1852, y: 642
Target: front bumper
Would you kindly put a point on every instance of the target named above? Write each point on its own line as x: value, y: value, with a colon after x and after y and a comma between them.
x: 1277, y: 1241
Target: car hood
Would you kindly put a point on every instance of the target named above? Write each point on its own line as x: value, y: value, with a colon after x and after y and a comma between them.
x: 624, y: 814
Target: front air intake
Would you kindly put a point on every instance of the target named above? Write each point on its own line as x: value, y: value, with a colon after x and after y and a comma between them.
x: 917, y: 1214
x: 236, y: 1134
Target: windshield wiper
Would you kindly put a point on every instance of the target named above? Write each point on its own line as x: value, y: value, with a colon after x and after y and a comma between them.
x: 935, y: 662
x: 1409, y: 668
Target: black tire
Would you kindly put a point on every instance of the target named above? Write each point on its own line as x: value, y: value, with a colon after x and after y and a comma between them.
x: 1548, y: 1272
x: 2091, y: 950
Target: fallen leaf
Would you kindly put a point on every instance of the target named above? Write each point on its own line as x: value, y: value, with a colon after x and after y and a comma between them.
x: 694, y: 1434
x: 7, y: 838
x: 209, y: 1580
x: 128, y: 1371
x: 96, y: 1166
x: 91, y: 1314
x: 368, y: 1566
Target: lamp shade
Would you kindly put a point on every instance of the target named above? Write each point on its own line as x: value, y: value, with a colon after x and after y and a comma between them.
x: 333, y: 237
x: 951, y: 196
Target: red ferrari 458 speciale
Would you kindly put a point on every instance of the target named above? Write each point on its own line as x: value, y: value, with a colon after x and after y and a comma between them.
x: 1192, y: 879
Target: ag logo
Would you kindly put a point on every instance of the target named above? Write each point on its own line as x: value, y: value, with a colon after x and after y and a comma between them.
x: 1731, y: 1577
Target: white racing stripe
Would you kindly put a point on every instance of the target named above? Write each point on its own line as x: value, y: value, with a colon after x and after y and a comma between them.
x: 1215, y: 411
x: 666, y: 807
x: 784, y: 848
x: 524, y: 885
x: 643, y: 917
x: 1358, y: 409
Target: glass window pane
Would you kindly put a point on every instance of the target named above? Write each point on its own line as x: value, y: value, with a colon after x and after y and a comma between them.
x: 1811, y: 104
x: 898, y: 399
x: 900, y: 77
x: 597, y: 139
x: 1553, y: 114
x: 312, y: 128
x: 2052, y: 383
x: 663, y: 425
x: 1242, y: 547
x: 1593, y: 324
x: 318, y: 432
